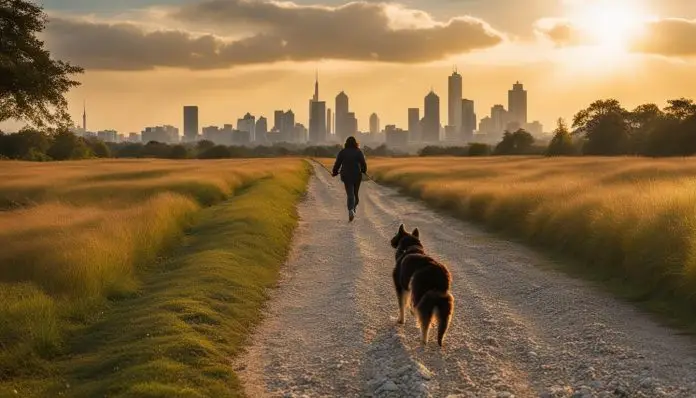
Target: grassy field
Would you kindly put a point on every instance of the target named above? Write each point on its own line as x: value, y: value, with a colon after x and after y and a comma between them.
x: 630, y: 222
x: 137, y: 278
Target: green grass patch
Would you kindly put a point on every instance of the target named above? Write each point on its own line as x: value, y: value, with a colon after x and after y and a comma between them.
x: 65, y: 269
x: 195, y: 309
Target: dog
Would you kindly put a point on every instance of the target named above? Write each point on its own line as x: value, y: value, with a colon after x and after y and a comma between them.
x: 422, y: 284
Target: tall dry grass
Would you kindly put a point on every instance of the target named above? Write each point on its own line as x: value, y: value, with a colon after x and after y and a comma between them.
x: 631, y: 221
x: 75, y: 233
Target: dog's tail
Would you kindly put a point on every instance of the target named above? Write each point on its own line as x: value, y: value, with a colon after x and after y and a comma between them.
x: 443, y: 302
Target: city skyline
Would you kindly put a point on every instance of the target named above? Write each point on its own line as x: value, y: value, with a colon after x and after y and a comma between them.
x: 570, y: 52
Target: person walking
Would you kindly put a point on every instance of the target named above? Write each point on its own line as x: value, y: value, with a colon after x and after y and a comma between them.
x: 351, y: 164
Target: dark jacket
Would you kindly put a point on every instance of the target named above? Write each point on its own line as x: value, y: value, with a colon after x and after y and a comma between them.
x: 351, y: 163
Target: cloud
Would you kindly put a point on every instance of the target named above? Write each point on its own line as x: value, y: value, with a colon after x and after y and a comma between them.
x: 358, y: 31
x: 561, y: 32
x: 669, y: 37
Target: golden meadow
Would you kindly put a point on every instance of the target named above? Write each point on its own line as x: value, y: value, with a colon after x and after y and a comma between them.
x: 74, y: 234
x: 630, y: 221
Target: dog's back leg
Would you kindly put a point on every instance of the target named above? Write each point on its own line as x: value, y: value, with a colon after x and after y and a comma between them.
x: 445, y: 307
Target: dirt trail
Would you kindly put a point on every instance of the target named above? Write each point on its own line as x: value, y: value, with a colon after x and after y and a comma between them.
x: 518, y: 330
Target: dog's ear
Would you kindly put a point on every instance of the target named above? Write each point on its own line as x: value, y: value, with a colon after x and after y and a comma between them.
x: 402, y: 229
x: 416, y: 233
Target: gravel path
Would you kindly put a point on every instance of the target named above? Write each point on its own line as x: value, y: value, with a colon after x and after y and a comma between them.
x: 518, y: 330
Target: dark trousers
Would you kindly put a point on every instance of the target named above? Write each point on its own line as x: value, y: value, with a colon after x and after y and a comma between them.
x: 352, y: 188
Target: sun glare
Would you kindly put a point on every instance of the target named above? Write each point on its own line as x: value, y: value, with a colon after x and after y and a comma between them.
x: 611, y: 24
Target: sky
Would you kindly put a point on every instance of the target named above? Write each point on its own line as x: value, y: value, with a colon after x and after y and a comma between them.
x: 146, y: 59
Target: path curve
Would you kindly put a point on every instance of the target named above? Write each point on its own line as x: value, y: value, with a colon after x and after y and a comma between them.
x: 519, y: 330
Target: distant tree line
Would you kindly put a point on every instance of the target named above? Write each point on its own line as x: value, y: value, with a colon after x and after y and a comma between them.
x: 605, y: 128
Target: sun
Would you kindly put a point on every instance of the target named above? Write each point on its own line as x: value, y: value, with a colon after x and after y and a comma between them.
x: 609, y: 24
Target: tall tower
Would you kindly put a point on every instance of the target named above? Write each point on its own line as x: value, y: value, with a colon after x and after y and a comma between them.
x: 517, y: 104
x: 190, y: 123
x: 317, y: 116
x: 468, y: 120
x: 316, y: 86
x: 84, y: 116
x: 414, y: 133
x: 329, y: 122
x: 341, y: 115
x: 374, y: 124
x: 454, y: 103
x: 431, y: 118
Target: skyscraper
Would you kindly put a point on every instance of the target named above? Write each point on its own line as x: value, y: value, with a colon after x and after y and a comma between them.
x: 431, y: 118
x: 499, y: 120
x: 317, y: 116
x: 329, y: 121
x: 454, y: 114
x: 248, y: 124
x: 190, y: 123
x: 287, y: 129
x: 341, y: 115
x: 468, y: 120
x: 84, y: 117
x: 278, y: 120
x: 517, y: 104
x: 261, y: 130
x: 414, y: 125
x: 374, y: 124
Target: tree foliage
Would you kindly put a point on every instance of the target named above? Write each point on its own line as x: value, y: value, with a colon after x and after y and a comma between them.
x: 32, y: 84
x: 562, y: 142
x: 518, y: 143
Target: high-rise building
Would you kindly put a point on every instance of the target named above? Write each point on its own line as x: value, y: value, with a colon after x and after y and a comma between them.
x: 414, y: 125
x: 454, y: 91
x: 431, y: 118
x: 329, y: 120
x: 499, y: 121
x: 351, y: 127
x: 278, y: 120
x: 84, y: 116
x: 261, y: 130
x: 374, y: 124
x: 248, y: 124
x: 395, y: 137
x: 341, y: 115
x: 288, y: 127
x: 317, y: 117
x: 190, y: 123
x: 517, y: 104
x: 468, y: 120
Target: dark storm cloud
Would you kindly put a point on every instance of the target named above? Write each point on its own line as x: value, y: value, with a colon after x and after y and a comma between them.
x: 358, y: 31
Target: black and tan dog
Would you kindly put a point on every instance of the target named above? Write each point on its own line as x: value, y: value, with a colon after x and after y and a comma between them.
x: 423, y: 282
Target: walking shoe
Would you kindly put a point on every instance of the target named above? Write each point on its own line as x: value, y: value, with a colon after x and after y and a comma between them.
x: 351, y: 215
x: 355, y: 210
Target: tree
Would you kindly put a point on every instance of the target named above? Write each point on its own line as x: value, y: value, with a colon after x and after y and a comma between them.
x: 32, y: 84
x: 99, y: 148
x: 67, y: 146
x: 479, y: 149
x: 518, y: 143
x: 27, y: 144
x: 645, y: 122
x: 681, y: 109
x: 605, y: 126
x: 178, y: 152
x: 216, y: 152
x: 562, y: 143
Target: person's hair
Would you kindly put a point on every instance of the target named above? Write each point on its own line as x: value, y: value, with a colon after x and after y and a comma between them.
x: 351, y: 142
